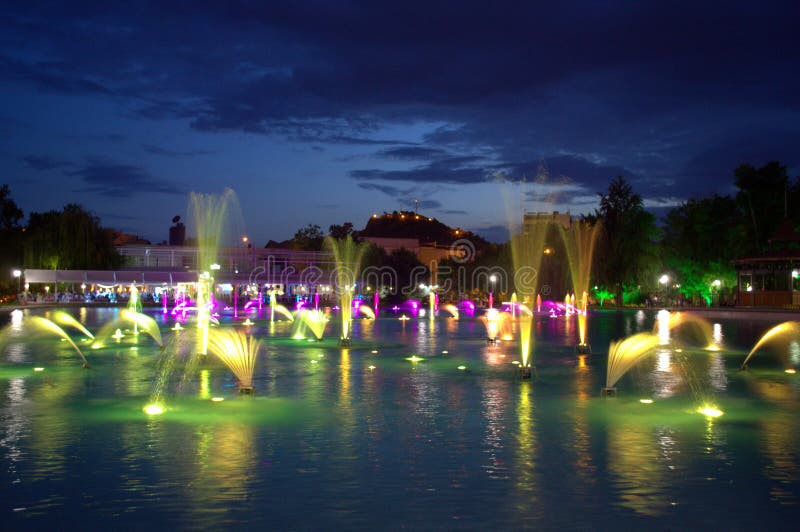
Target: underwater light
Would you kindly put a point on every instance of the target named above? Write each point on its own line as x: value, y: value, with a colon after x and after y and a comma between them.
x: 462, y: 368
x: 374, y: 351
x: 710, y: 411
x: 790, y: 371
x: 315, y: 361
x: 153, y: 410
x: 445, y: 352
x: 646, y: 401
x: 38, y: 369
x: 415, y: 358
x: 320, y: 355
x: 515, y: 362
x: 217, y: 399
x: 371, y: 368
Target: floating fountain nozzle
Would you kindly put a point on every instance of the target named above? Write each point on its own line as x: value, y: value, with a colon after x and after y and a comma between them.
x: 344, y: 342
x: 247, y: 390
x: 605, y: 391
x: 86, y: 365
x: 491, y: 341
x: 525, y: 372
x: 583, y: 349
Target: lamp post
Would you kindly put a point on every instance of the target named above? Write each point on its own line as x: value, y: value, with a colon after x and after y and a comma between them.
x: 18, y: 275
x: 492, y: 280
x: 715, y: 287
x: 664, y: 280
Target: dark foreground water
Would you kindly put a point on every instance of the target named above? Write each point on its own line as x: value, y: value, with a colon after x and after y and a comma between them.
x: 327, y: 443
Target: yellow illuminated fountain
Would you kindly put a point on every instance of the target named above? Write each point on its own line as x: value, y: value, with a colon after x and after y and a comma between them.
x: 624, y: 354
x: 527, y: 249
x: 579, y: 241
x: 140, y: 322
x: 347, y: 254
x: 688, y: 324
x: 67, y: 320
x: 781, y: 332
x: 216, y: 220
x: 310, y: 320
x: 134, y: 305
x: 238, y: 351
x: 37, y: 323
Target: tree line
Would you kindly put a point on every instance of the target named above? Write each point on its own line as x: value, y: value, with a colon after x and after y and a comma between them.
x: 694, y: 243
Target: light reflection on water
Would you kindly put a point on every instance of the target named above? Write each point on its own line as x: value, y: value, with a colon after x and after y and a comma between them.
x: 403, y: 446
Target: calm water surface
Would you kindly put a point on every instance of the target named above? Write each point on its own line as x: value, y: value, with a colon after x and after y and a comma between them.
x: 332, y: 444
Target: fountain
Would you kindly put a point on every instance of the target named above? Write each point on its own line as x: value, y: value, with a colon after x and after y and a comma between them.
x: 579, y: 241
x: 527, y: 249
x: 624, y: 354
x: 139, y: 321
x: 212, y: 217
x: 310, y: 320
x: 134, y: 305
x: 685, y: 321
x: 780, y: 331
x: 63, y: 318
x: 238, y: 351
x: 452, y: 310
x: 43, y: 324
x: 347, y: 254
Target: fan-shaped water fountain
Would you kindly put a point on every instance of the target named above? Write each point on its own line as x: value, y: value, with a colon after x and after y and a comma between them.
x: 781, y: 332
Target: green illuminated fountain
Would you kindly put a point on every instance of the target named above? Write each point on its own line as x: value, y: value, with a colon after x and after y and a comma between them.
x: 347, y: 254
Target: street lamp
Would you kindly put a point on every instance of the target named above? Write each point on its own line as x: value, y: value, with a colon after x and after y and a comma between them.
x: 492, y: 280
x: 664, y: 280
x: 17, y: 274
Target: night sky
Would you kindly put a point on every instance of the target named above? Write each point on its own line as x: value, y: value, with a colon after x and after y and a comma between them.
x: 325, y: 112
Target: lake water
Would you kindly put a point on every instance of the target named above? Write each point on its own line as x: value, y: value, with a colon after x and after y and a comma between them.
x: 328, y: 443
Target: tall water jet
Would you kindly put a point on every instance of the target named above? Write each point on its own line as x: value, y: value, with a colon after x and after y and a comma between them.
x: 780, y: 331
x: 134, y: 305
x: 217, y: 221
x: 579, y: 241
x: 43, y: 324
x: 347, y: 254
x: 624, y: 354
x: 527, y: 249
x: 239, y: 352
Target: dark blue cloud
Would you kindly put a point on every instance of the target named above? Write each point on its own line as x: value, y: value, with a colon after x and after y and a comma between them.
x: 158, y: 150
x: 44, y: 162
x: 671, y: 95
x: 117, y: 180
